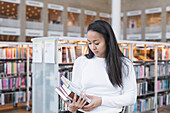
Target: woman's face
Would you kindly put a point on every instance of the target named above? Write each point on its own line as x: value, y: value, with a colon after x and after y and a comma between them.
x: 96, y: 43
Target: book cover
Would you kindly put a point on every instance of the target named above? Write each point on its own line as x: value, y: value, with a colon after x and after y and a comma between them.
x: 73, y: 88
x: 57, y: 89
x: 1, y: 68
x: 78, y: 51
x: 68, y: 55
x: 64, y: 58
x: 1, y: 84
x: 66, y: 92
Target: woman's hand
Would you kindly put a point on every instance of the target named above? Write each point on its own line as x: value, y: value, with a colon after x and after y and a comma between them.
x: 96, y: 101
x: 75, y: 105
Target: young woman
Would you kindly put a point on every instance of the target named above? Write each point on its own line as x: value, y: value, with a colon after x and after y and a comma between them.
x: 105, y: 75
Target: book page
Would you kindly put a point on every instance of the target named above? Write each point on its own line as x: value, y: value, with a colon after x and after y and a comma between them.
x: 72, y: 84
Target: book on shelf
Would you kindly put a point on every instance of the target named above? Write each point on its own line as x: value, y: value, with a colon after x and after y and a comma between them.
x: 124, y: 50
x: 68, y: 89
x: 78, y: 51
x: 14, y: 97
x: 69, y: 54
x: 66, y: 54
x: 12, y: 83
x: 12, y: 53
x: 163, y: 54
x: 141, y: 57
x: 145, y: 104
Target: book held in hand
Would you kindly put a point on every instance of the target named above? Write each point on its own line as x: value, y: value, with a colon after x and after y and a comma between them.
x: 68, y: 89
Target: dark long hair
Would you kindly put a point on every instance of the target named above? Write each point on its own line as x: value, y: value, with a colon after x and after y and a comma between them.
x: 113, y: 55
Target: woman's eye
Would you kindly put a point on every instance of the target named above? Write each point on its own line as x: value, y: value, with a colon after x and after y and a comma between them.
x: 89, y: 43
x: 96, y: 43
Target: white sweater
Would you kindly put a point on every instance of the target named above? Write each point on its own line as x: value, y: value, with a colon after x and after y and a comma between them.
x: 92, y: 77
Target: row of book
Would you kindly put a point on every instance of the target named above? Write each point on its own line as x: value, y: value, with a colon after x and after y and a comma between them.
x: 163, y: 100
x: 143, y: 105
x: 147, y: 104
x: 13, y: 53
x: 141, y: 58
x: 12, y: 68
x: 145, y: 87
x: 143, y: 71
x: 14, y: 83
x: 69, y: 54
x: 125, y: 50
x: 163, y: 69
x: 163, y: 54
x: 9, y: 98
x: 65, y: 73
x: 163, y: 84
x: 68, y: 74
x: 142, y: 88
x: 62, y: 105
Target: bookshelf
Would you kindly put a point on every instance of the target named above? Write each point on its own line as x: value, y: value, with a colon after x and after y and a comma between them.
x: 151, y: 62
x: 51, y: 59
x: 15, y: 73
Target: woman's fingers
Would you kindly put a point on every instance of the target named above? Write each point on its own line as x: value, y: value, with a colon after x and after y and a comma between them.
x: 77, y: 102
x: 88, y: 108
x: 67, y: 102
x: 83, y: 102
x: 74, y: 98
x: 96, y: 101
x: 80, y: 97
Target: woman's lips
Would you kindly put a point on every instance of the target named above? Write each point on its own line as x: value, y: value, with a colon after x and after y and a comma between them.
x: 95, y: 52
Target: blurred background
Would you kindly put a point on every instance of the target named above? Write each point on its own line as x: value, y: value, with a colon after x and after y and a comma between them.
x: 139, y: 20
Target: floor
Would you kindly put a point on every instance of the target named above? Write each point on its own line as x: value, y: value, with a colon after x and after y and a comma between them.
x: 161, y: 110
x: 16, y: 110
x: 23, y: 110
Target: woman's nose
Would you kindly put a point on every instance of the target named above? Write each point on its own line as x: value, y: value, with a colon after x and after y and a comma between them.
x: 93, y: 47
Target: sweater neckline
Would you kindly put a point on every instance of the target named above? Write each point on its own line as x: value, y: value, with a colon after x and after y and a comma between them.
x: 99, y: 58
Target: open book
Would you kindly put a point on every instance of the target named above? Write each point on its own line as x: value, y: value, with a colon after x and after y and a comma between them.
x: 68, y: 89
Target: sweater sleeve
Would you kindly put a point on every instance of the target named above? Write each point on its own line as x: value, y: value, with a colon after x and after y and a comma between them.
x: 77, y: 71
x: 129, y: 95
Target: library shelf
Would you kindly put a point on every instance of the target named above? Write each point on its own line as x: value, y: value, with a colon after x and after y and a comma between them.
x: 63, y: 64
x: 51, y: 74
x: 141, y: 61
x: 161, y: 91
x: 16, y: 58
x: 164, y: 76
x: 142, y: 78
x: 65, y: 68
x: 147, y: 94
